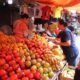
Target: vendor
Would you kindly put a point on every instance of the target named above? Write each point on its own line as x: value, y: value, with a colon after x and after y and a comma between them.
x: 49, y: 30
x: 66, y: 41
x: 20, y: 26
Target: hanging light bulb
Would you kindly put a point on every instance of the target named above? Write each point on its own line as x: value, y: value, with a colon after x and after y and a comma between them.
x: 10, y: 1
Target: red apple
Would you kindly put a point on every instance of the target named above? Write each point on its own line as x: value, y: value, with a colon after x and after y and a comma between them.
x: 22, y: 64
x: 30, y: 75
x: 11, y: 73
x: 37, y: 75
x: 14, y: 77
x: 15, y: 67
x: 26, y: 72
x: 3, y: 55
x: 9, y: 58
x: 19, y: 74
x: 6, y: 66
x: 2, y: 72
x: 25, y: 78
x: 5, y: 77
x: 9, y: 52
x: 2, y: 61
x: 18, y: 70
x: 16, y: 54
x: 9, y: 69
x: 17, y: 59
x: 11, y: 63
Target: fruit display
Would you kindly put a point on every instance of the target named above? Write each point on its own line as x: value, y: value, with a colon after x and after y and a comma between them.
x: 27, y: 59
x: 42, y: 50
x: 13, y: 68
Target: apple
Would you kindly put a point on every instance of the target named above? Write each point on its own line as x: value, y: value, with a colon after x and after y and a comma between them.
x: 28, y: 58
x: 8, y: 58
x: 19, y: 74
x: 10, y: 69
x: 27, y: 53
x: 2, y: 72
x: 30, y: 75
x: 22, y: 64
x: 45, y: 70
x: 28, y: 63
x: 33, y: 68
x: 33, y: 61
x: 16, y: 54
x: 50, y: 69
x: 25, y: 78
x: 3, y: 55
x: 46, y: 64
x: 13, y: 77
x: 33, y: 56
x: 17, y: 59
x: 37, y: 75
x: 18, y: 70
x: 11, y: 73
x: 2, y: 61
x: 6, y: 66
x: 15, y: 67
x: 45, y: 77
x: 11, y: 63
x: 5, y: 77
x: 40, y: 70
x: 39, y: 60
x: 38, y: 64
x: 26, y: 72
x: 50, y: 74
x: 37, y: 55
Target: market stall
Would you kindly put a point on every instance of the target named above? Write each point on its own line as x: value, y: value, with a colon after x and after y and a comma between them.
x: 28, y: 59
x: 35, y: 57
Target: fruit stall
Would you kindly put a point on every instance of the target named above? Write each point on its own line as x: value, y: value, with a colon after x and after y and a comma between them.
x: 34, y: 57
x: 28, y: 59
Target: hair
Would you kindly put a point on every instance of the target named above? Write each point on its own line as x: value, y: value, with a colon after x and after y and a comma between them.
x: 71, y: 28
x: 62, y: 22
x: 78, y: 17
x: 24, y: 16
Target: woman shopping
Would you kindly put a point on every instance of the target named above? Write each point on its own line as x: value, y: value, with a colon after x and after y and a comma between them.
x: 67, y: 43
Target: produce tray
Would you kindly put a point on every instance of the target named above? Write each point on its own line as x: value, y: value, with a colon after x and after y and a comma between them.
x: 64, y: 78
x: 67, y: 77
x: 57, y: 73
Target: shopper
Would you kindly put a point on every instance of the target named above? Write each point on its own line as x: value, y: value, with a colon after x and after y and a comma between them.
x: 72, y: 29
x: 77, y: 70
x: 20, y: 27
x: 66, y: 41
x: 78, y: 21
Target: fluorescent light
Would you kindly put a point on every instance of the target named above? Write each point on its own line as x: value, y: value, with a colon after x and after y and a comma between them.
x: 10, y: 1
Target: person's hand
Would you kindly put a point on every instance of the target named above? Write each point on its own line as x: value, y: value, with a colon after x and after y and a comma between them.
x: 57, y: 42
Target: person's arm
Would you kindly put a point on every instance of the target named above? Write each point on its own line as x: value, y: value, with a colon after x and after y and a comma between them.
x: 67, y: 43
x: 67, y: 39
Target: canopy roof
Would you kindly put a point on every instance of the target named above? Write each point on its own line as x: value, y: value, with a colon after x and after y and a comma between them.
x: 76, y: 7
x: 63, y: 3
